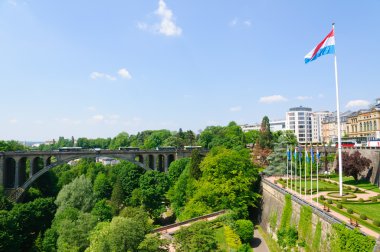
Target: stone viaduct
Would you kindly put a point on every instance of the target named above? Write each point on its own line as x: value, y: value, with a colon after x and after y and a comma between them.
x: 19, y: 169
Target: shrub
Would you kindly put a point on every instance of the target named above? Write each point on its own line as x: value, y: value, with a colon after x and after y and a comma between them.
x: 374, y: 199
x: 329, y: 201
x: 376, y: 223
x: 344, y: 199
x: 322, y: 197
x: 339, y: 205
x: 356, y: 190
x: 361, y: 200
x: 363, y: 216
x: 378, y: 196
x: 350, y: 211
x: 244, y: 230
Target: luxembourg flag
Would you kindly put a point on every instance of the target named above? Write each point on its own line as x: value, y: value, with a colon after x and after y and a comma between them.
x: 327, y: 46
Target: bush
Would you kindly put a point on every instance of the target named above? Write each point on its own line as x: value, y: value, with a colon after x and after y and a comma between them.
x: 344, y: 199
x: 329, y: 201
x: 363, y: 216
x: 374, y: 199
x: 322, y: 197
x: 350, y: 211
x: 356, y: 190
x: 378, y: 196
x: 244, y: 230
x: 361, y: 200
x: 339, y: 205
x: 376, y: 223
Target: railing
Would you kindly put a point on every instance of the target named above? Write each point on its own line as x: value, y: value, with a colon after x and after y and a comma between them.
x: 188, y: 221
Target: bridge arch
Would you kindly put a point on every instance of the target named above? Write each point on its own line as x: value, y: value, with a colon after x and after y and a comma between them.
x: 170, y: 159
x: 9, y: 172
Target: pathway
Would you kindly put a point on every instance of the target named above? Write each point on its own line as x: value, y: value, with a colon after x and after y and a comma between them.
x: 309, y: 199
x: 259, y: 244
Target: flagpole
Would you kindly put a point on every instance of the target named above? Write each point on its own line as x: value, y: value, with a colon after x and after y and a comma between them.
x: 317, y: 177
x: 287, y: 166
x: 291, y: 168
x: 305, y: 169
x: 311, y: 172
x: 300, y: 174
x: 338, y: 121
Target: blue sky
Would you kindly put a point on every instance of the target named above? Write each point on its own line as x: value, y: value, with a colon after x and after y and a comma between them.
x: 96, y: 68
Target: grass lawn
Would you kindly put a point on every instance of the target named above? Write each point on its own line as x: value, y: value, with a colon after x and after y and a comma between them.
x: 361, y: 183
x: 219, y: 234
x: 322, y: 185
x: 372, y: 210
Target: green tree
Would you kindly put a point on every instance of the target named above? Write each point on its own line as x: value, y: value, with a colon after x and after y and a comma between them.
x: 245, y: 230
x: 182, y: 191
x: 73, y: 230
x: 197, y: 237
x: 195, y: 161
x: 265, y: 139
x: 102, y: 210
x: 231, y: 137
x: 156, y: 139
x: 154, y: 243
x: 117, y: 197
x: 153, y: 186
x: 26, y: 221
x: 252, y: 136
x: 176, y: 168
x: 102, y: 187
x: 121, y: 140
x: 122, y: 234
x: 77, y: 194
x: 228, y: 182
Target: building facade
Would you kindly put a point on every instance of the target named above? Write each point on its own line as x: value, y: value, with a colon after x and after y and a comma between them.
x: 298, y: 120
x: 365, y: 123
x: 317, y: 126
x: 275, y: 125
x: 330, y: 127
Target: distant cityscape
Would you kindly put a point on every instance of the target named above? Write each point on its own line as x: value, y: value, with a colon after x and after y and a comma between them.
x: 321, y: 126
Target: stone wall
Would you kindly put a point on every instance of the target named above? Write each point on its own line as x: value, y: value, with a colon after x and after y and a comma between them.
x: 273, y: 201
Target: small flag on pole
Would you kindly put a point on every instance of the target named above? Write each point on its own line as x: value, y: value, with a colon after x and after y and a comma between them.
x: 327, y: 46
x: 312, y: 154
x: 289, y: 154
x: 318, y: 155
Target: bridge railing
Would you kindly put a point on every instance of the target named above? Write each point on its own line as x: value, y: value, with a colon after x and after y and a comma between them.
x: 189, y: 221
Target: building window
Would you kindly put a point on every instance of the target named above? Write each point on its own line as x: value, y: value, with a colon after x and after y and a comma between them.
x: 370, y: 126
x: 374, y: 125
x: 361, y: 127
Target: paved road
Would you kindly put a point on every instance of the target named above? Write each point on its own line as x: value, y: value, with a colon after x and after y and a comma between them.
x: 258, y: 243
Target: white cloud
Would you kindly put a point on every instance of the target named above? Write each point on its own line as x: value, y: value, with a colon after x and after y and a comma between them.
x: 166, y: 25
x: 98, y: 118
x: 302, y: 98
x: 237, y: 22
x: 321, y: 96
x: 123, y: 73
x: 98, y: 75
x: 65, y: 120
x: 235, y: 109
x: 233, y: 22
x: 247, y: 23
x: 272, y: 99
x: 13, y: 121
x: 91, y: 108
x: 13, y: 2
x: 357, y: 103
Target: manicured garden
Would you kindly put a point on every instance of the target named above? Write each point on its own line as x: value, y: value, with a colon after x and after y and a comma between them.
x: 360, y: 183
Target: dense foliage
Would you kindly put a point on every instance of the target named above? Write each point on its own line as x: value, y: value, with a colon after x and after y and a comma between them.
x: 347, y: 240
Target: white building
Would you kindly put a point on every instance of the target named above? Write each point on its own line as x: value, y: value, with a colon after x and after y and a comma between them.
x: 316, y: 121
x: 298, y: 119
x: 275, y: 125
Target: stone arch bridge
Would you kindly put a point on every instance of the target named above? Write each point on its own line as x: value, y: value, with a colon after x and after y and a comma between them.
x: 19, y: 169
